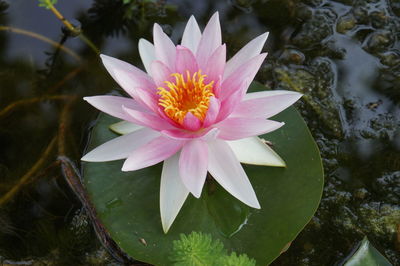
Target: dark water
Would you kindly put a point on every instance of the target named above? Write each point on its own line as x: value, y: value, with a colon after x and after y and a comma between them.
x: 343, y: 55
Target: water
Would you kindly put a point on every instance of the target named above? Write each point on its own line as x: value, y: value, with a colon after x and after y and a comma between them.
x: 344, y: 55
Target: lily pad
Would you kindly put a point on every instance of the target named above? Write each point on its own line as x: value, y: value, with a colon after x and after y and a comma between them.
x: 367, y: 255
x: 127, y: 203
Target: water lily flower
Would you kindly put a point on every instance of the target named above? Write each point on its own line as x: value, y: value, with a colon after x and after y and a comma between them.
x: 191, y: 111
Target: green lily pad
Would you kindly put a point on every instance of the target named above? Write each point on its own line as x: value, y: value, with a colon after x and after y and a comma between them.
x: 367, y: 255
x: 127, y: 203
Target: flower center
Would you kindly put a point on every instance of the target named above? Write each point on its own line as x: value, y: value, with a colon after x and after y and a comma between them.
x: 186, y: 95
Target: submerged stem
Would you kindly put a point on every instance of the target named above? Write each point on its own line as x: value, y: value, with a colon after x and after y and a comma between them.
x: 59, y: 139
x: 42, y: 38
x: 19, y: 103
x: 66, y: 78
x: 34, y: 169
x: 63, y: 19
x: 64, y: 121
x: 73, y: 29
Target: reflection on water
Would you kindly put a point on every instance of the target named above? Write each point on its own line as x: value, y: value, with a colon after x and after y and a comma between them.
x: 343, y: 55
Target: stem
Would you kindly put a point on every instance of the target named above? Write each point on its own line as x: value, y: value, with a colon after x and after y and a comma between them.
x: 16, y: 104
x: 63, y: 20
x: 42, y: 38
x: 58, y: 139
x: 74, y: 30
x: 39, y: 164
x: 64, y: 121
x: 67, y: 77
x: 89, y: 43
x: 74, y: 180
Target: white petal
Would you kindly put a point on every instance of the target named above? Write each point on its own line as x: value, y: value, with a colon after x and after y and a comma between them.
x: 191, y: 35
x: 164, y: 48
x: 228, y: 172
x: 254, y: 151
x: 262, y: 94
x: 193, y: 165
x: 120, y: 147
x: 126, y: 75
x: 147, y: 53
x: 112, y: 105
x: 124, y: 127
x: 172, y: 192
x: 250, y: 50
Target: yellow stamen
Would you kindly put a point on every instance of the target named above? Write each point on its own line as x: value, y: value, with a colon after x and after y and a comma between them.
x: 183, y: 96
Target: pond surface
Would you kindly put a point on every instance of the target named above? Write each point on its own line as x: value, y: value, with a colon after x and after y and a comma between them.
x: 343, y: 55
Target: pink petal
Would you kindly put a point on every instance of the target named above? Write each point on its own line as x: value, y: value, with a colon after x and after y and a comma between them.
x: 229, y: 104
x: 180, y: 134
x: 147, y: 119
x: 112, y: 105
x: 212, y: 112
x: 211, y: 135
x: 121, y: 147
x: 227, y: 171
x: 147, y: 99
x: 239, y: 127
x: 152, y: 153
x: 191, y: 35
x: 137, y: 92
x: 210, y: 41
x: 266, y: 104
x: 161, y: 73
x: 147, y: 53
x: 216, y: 64
x: 126, y: 75
x: 193, y: 165
x: 185, y: 61
x: 246, y: 71
x: 217, y: 87
x: 191, y: 122
x: 168, y: 119
x: 164, y: 47
x: 250, y: 50
x: 172, y: 192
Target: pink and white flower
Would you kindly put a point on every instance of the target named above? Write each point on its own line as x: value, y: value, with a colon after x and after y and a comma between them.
x: 191, y: 111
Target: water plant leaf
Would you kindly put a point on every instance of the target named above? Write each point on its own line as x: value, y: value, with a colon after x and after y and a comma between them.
x: 367, y: 255
x: 127, y: 203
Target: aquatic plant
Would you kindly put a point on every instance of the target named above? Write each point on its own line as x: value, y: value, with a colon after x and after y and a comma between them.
x: 200, y: 249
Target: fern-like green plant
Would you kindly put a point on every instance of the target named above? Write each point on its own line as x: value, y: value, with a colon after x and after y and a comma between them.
x: 236, y: 260
x: 198, y: 249
x: 47, y: 3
